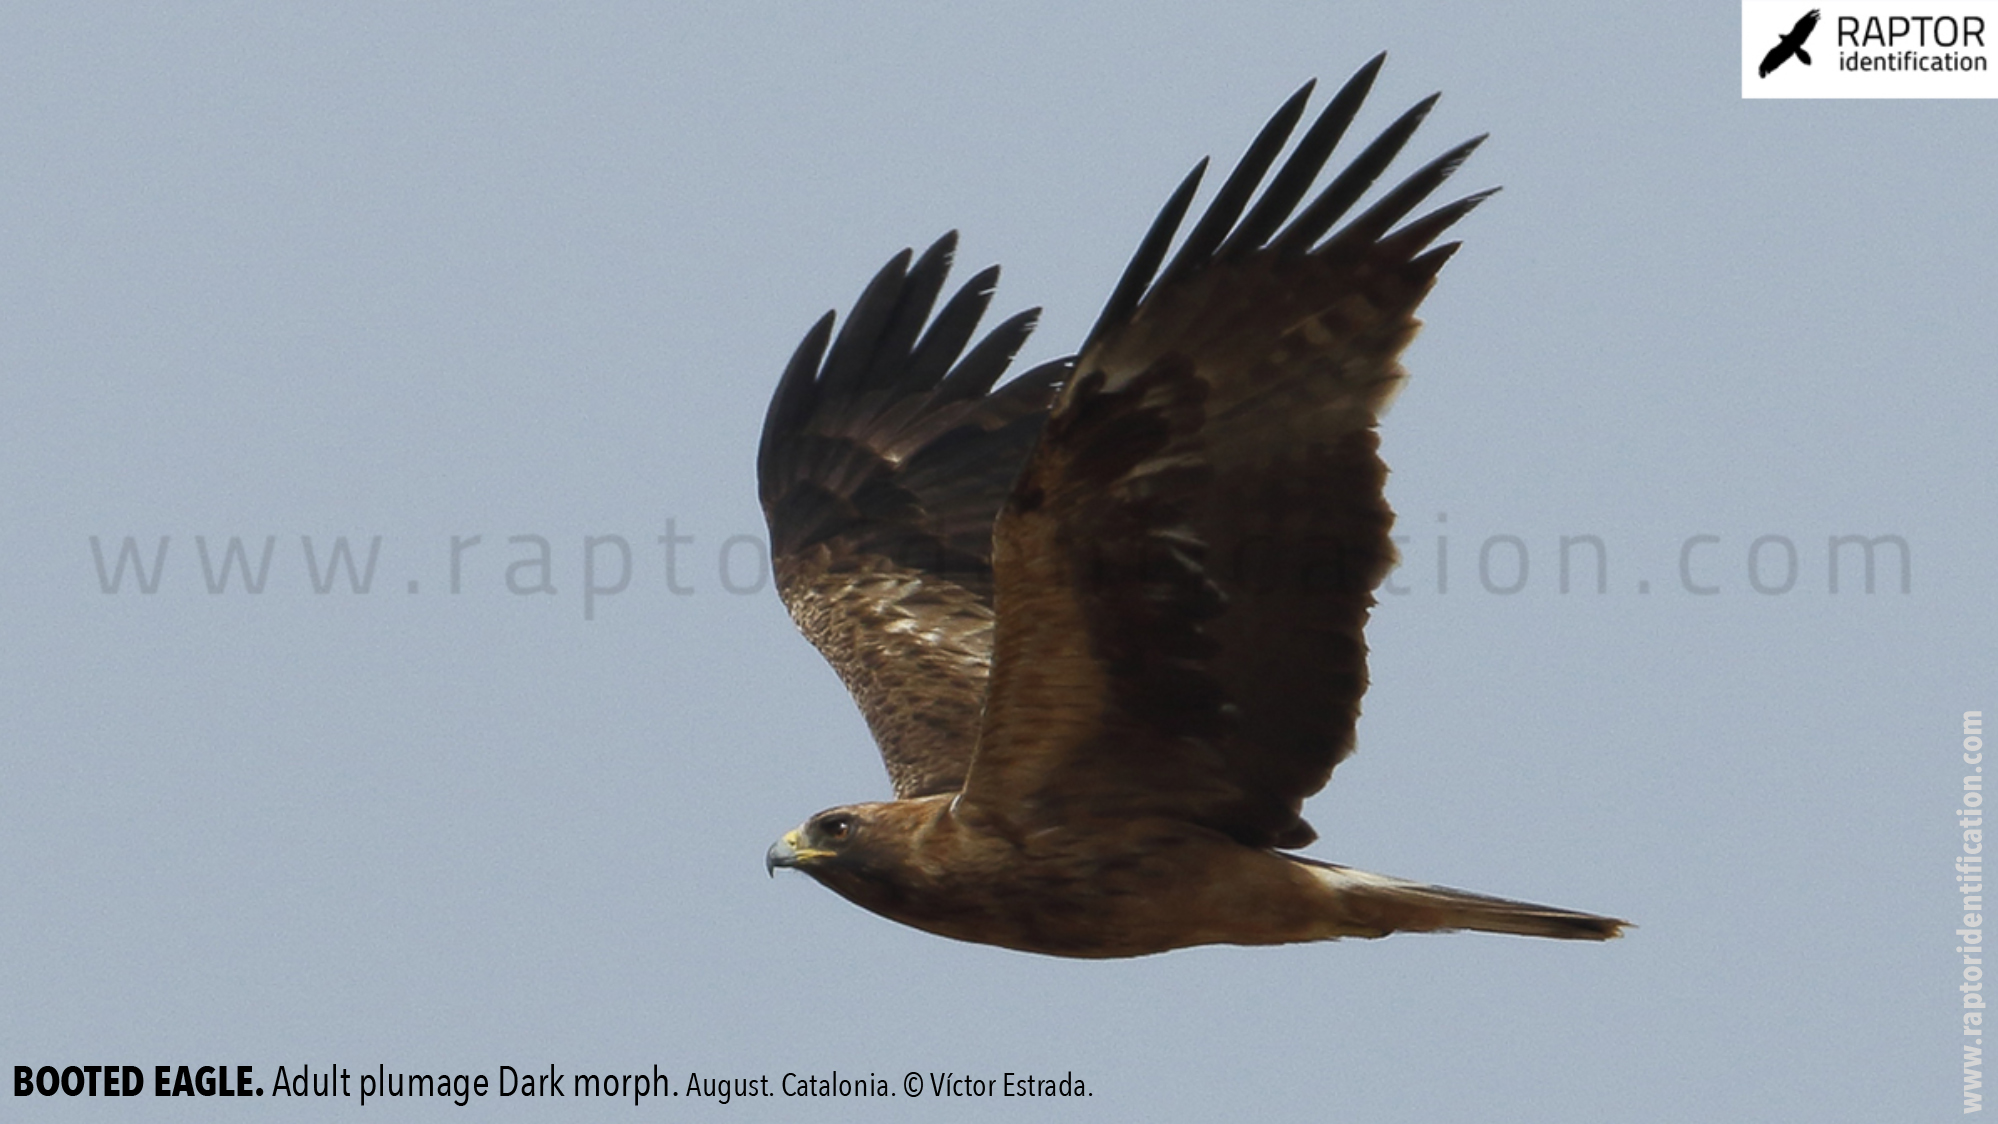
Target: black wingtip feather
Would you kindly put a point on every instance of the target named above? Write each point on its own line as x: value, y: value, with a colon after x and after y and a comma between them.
x: 1426, y: 265
x: 1145, y: 263
x: 1233, y: 197
x: 1298, y: 172
x: 859, y: 339
x: 875, y: 383
x: 1230, y: 227
x: 918, y: 296
x: 951, y: 330
x: 1391, y: 208
x: 792, y: 402
x: 1410, y: 239
x: 984, y: 363
x: 1347, y: 187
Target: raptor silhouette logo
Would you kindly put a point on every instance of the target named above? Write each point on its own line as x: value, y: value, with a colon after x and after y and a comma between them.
x: 1791, y: 44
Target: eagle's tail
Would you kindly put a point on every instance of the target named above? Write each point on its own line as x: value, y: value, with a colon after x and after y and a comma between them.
x: 1376, y: 905
x: 1803, y: 56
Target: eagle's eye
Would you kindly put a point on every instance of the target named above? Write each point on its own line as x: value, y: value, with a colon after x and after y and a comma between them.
x: 836, y: 827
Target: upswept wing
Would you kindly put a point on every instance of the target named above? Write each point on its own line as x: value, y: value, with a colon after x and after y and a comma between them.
x: 1186, y: 564
x: 883, y: 463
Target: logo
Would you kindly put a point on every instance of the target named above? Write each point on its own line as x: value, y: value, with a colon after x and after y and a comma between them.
x: 1791, y: 44
x: 1869, y: 49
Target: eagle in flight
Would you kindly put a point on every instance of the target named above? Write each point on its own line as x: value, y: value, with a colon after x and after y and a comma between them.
x: 1104, y: 620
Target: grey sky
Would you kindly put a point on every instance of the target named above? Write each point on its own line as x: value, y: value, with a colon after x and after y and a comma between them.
x: 428, y: 271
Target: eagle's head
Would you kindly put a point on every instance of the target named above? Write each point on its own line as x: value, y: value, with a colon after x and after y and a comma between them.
x: 866, y: 853
x: 820, y: 841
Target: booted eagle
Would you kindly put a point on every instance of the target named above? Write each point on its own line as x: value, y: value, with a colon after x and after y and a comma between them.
x: 1105, y: 620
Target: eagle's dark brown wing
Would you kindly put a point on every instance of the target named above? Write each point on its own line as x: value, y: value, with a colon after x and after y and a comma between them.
x: 1187, y: 562
x: 883, y: 463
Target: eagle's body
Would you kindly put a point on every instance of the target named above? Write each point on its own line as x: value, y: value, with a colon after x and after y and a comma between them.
x: 1105, y: 621
x: 1128, y: 887
x: 1097, y: 889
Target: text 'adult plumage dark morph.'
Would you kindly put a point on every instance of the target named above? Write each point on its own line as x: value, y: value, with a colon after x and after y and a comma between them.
x: 1105, y: 621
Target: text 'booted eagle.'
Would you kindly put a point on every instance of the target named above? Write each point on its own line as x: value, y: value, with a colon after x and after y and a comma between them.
x: 1105, y: 621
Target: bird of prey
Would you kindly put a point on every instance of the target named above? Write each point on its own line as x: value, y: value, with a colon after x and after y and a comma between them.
x: 1104, y: 621
x: 1791, y: 44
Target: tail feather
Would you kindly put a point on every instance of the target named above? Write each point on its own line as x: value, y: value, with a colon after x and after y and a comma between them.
x: 1376, y: 905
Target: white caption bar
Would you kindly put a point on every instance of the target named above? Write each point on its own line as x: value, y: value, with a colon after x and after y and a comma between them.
x: 1883, y: 49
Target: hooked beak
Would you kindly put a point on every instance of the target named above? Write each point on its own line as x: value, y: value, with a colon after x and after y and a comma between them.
x: 784, y: 852
x: 791, y: 851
